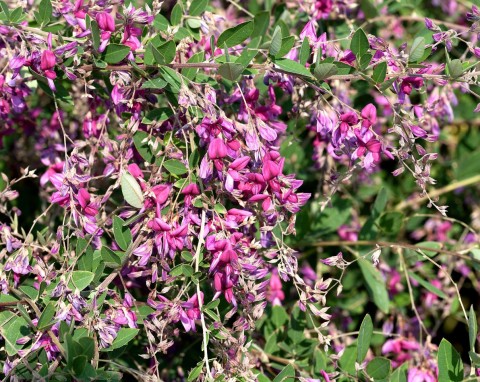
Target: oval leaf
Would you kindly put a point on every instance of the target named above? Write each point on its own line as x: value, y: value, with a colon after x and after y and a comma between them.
x: 131, y: 191
x: 235, y: 35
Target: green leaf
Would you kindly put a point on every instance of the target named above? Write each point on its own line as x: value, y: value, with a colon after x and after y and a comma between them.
x: 175, y: 167
x: 6, y: 11
x: 172, y: 77
x: 455, y: 68
x: 124, y: 336
x: 122, y: 234
x: 132, y: 193
x: 450, y: 366
x: 380, y: 72
x: 292, y: 67
x: 261, y: 22
x: 220, y: 209
x: 142, y: 143
x: 235, y: 35
x: 375, y: 285
x: 369, y: 9
x: 114, y: 53
x: 111, y: 259
x: 391, y: 222
x: 286, y: 375
x: 246, y: 57
x: 417, y: 50
x: 286, y: 46
x: 472, y: 328
x: 400, y: 373
x: 430, y: 287
x: 44, y: 12
x: 324, y: 70
x: 276, y: 42
x: 347, y: 360
x: 95, y: 34
x: 279, y: 316
x: 13, y: 329
x: 359, y: 44
x: 197, y: 7
x: 364, y: 61
x: 45, y: 319
x: 231, y: 71
x: 155, y: 83
x: 379, y: 368
x: 176, y: 15
x: 364, y: 338
x: 165, y: 53
x: 160, y: 23
x: 304, y: 54
x: 193, y: 375
x: 82, y: 279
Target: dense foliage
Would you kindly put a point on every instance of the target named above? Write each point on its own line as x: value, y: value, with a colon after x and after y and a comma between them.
x: 239, y: 190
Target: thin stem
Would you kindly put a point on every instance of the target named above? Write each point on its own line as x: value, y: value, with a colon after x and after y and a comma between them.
x: 440, y: 191
x: 340, y: 243
x: 200, y: 302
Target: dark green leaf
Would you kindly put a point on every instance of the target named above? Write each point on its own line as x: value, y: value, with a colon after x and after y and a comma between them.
x: 380, y: 72
x: 261, y: 22
x: 364, y: 61
x: 193, y: 375
x: 114, y: 53
x: 364, y: 338
x: 175, y: 167
x: 279, y: 316
x: 450, y: 366
x: 455, y: 68
x: 359, y: 45
x: 417, y: 50
x: 160, y: 23
x: 155, y: 83
x: 276, y: 42
x: 176, y: 15
x: 472, y: 328
x: 379, y: 368
x: 95, y: 34
x: 286, y: 375
x: 286, y: 46
x: 391, y: 222
x: 304, y: 54
x: 324, y: 70
x: 375, y: 285
x: 428, y: 286
x: 197, y: 7
x: 111, y: 259
x: 44, y: 12
x: 82, y: 279
x: 143, y: 145
x: 235, y: 35
x: 292, y: 67
x: 347, y: 360
x: 124, y: 336
x: 122, y: 234
x: 46, y: 318
x: 231, y: 71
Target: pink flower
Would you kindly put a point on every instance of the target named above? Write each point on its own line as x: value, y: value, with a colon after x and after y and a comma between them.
x: 217, y: 149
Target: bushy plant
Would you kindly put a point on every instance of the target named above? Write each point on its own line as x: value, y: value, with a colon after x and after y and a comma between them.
x: 239, y: 190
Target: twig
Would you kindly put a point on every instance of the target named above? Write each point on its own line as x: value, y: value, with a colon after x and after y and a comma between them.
x: 440, y: 191
x: 340, y: 243
x: 200, y: 303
